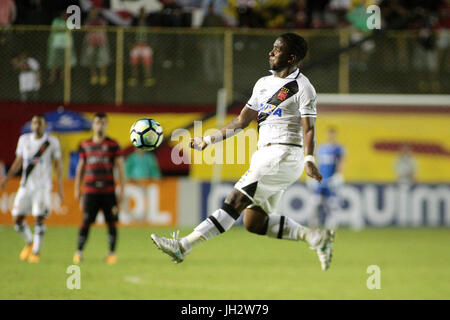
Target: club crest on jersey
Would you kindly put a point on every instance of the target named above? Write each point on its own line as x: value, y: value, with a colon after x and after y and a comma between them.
x: 282, y: 94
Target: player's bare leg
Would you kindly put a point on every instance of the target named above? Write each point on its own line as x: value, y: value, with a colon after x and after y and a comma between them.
x: 39, y: 230
x: 257, y: 221
x: 23, y: 229
x: 111, y: 258
x: 218, y: 222
x: 82, y: 238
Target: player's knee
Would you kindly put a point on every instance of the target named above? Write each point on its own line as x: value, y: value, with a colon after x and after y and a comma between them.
x: 39, y: 220
x: 18, y: 220
x: 18, y: 224
x: 40, y: 228
x: 237, y: 200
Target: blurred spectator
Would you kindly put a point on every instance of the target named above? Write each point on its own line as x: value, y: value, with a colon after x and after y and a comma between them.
x: 218, y: 6
x: 101, y: 4
x: 393, y: 13
x: 142, y: 165
x: 336, y: 11
x: 325, y: 200
x: 8, y: 14
x: 405, y: 166
x: 248, y: 14
x: 272, y: 13
x: 95, y: 48
x: 360, y: 55
x: 57, y: 44
x: 212, y: 19
x: 171, y: 14
x: 32, y: 12
x: 425, y: 56
x: 314, y: 10
x: 296, y: 15
x: 212, y: 48
x: 29, y: 77
x: 443, y: 42
x: 141, y: 52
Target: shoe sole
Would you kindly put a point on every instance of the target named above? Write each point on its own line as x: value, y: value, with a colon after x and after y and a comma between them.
x: 329, y: 246
x: 174, y: 257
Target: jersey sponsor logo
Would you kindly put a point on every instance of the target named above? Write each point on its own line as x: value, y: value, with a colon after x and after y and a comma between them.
x: 270, y: 107
x: 277, y: 112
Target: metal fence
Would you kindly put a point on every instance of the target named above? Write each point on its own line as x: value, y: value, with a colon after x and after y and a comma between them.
x: 188, y: 66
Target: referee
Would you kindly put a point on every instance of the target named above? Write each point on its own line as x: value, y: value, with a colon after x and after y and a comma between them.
x: 98, y: 158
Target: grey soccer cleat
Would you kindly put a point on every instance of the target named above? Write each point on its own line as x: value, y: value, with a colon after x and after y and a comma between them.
x: 172, y: 247
x: 325, y: 249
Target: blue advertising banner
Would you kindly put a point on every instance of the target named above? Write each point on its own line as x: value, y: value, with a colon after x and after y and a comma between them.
x: 355, y: 205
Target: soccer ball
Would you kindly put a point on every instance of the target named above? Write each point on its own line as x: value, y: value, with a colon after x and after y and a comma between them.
x: 146, y: 134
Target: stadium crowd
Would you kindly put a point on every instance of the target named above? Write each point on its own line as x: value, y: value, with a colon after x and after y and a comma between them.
x: 233, y: 13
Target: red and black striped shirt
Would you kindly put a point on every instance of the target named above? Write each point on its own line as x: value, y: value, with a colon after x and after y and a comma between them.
x: 99, y: 165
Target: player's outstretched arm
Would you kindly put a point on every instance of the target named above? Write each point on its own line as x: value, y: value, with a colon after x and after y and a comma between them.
x: 309, y: 144
x: 234, y: 127
x: 15, y: 167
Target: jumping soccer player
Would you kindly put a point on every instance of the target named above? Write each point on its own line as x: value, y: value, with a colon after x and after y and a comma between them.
x: 98, y: 157
x: 285, y: 105
x: 35, y: 154
x: 330, y: 156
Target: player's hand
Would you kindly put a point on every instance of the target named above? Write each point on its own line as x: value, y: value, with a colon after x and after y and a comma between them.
x: 198, y: 143
x: 312, y: 171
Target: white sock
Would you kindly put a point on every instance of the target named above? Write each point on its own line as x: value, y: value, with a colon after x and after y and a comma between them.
x: 38, y: 238
x: 283, y: 227
x: 191, y: 240
x: 310, y: 236
x: 217, y: 223
x: 24, y: 231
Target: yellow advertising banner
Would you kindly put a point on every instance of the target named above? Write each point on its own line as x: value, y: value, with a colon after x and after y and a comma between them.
x: 371, y: 140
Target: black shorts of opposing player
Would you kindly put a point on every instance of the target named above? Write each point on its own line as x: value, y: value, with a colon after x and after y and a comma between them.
x: 106, y: 202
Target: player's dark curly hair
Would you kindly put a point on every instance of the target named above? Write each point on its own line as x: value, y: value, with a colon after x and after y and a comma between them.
x: 297, y: 45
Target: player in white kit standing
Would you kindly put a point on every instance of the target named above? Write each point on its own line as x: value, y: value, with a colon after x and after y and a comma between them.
x: 36, y: 153
x: 285, y: 107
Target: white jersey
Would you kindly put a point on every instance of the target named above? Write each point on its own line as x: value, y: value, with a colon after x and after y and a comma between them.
x: 281, y: 103
x: 41, y: 175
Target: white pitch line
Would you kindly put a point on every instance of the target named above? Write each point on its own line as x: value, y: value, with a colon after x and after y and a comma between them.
x: 133, y: 279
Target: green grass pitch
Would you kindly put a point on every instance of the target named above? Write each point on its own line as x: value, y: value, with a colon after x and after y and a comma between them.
x: 414, y: 263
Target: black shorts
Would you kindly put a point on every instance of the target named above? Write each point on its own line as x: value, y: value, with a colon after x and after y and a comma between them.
x: 107, y: 202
